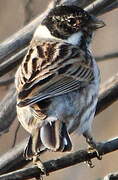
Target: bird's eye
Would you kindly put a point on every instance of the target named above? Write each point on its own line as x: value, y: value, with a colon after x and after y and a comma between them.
x: 71, y: 21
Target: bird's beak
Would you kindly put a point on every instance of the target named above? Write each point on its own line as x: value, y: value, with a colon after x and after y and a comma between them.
x: 96, y: 23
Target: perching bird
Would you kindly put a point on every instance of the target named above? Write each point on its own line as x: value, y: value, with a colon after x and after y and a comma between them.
x: 58, y: 81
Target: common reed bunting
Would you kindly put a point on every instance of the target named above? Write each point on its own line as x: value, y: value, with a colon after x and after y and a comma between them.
x: 58, y: 82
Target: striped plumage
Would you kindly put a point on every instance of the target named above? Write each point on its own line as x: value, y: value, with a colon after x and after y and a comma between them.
x: 49, y: 62
x: 58, y: 82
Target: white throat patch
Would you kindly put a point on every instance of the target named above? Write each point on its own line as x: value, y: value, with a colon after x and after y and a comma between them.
x: 42, y: 32
x: 75, y: 38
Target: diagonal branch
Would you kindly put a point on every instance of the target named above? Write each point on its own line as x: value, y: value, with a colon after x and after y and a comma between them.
x: 108, y: 94
x: 14, y: 159
x: 64, y: 162
x: 106, y: 56
x: 12, y: 62
x: 97, y: 7
x: 11, y: 160
x: 111, y: 7
x: 6, y: 82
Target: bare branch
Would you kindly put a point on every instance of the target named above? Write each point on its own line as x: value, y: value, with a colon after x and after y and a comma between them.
x: 64, y: 162
x: 6, y: 81
x: 13, y: 159
x: 108, y: 94
x: 111, y: 7
x: 12, y: 62
x: 96, y: 7
x: 81, y: 3
x: 106, y: 56
x: 7, y: 111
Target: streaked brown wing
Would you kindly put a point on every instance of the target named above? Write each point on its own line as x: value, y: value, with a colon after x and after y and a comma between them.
x: 67, y: 71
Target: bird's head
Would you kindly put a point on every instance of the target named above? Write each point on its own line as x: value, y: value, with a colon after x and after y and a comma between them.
x: 70, y: 22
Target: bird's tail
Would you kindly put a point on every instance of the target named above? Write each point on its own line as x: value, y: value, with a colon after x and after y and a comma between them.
x: 55, y: 137
x: 52, y: 136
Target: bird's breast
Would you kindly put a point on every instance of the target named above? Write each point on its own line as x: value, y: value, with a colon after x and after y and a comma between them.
x: 76, y: 108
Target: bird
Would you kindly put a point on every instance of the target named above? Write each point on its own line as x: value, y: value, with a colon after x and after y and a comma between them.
x: 58, y: 82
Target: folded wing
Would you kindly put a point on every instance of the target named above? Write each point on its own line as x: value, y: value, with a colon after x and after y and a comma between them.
x: 66, y: 68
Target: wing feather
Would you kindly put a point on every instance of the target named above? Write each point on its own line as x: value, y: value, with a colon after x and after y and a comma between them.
x: 51, y: 92
x: 55, y: 76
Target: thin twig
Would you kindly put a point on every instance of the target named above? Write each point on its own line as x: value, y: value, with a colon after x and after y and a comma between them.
x: 80, y: 3
x: 111, y: 7
x: 106, y: 56
x: 96, y: 7
x: 64, y: 162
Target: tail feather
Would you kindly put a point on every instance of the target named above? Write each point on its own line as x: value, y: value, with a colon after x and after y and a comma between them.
x: 55, y: 137
x: 28, y: 150
x: 48, y: 136
x: 34, y: 146
x: 52, y: 136
x: 66, y: 139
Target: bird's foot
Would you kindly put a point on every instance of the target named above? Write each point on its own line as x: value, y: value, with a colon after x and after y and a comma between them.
x: 90, y: 163
x: 93, y: 146
x: 40, y: 165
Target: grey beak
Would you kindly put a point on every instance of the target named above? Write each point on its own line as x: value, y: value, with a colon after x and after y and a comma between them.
x: 96, y: 23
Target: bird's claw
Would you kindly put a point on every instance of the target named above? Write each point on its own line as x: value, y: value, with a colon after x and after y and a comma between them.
x: 39, y: 177
x: 93, y: 146
x: 89, y: 163
x: 99, y: 157
x: 39, y: 164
